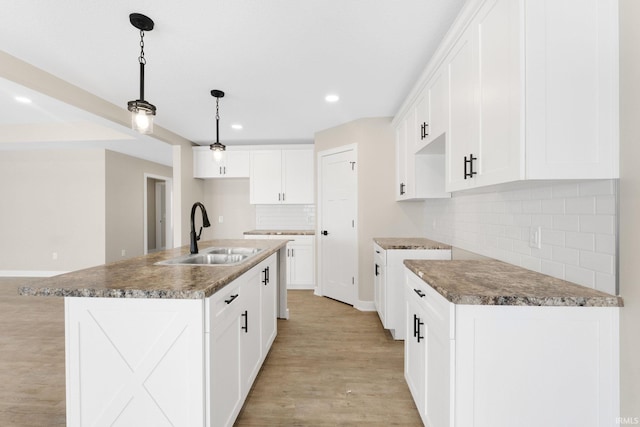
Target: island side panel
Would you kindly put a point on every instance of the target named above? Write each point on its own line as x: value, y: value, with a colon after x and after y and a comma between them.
x: 134, y: 361
x: 283, y: 309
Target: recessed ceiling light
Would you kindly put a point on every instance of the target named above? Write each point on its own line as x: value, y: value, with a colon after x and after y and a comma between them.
x: 236, y: 126
x: 331, y: 98
x: 23, y: 99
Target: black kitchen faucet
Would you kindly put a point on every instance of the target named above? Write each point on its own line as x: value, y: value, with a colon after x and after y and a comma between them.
x: 205, y: 223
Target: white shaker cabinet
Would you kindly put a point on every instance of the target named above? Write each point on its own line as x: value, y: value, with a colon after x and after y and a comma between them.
x: 432, y: 110
x: 388, y: 283
x: 301, y: 258
x: 533, y: 87
x: 232, y: 163
x: 506, y: 365
x: 281, y: 176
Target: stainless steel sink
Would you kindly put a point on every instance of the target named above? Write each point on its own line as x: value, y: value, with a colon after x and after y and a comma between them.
x: 214, y: 256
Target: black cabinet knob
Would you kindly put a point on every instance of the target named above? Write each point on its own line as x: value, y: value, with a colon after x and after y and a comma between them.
x: 324, y: 232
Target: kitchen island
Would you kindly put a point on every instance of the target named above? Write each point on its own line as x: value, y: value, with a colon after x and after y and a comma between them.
x: 174, y: 345
x: 493, y: 344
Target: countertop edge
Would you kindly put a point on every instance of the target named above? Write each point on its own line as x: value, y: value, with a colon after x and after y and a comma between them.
x: 604, y: 300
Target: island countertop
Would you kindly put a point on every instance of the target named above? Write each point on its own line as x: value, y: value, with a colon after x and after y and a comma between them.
x: 140, y: 278
x: 492, y: 282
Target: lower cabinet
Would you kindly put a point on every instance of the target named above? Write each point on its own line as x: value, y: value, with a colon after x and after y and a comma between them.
x: 388, y: 279
x: 242, y: 322
x: 301, y: 258
x: 530, y: 366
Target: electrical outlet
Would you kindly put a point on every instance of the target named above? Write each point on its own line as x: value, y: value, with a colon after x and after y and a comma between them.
x: 220, y: 219
x: 123, y: 252
x: 535, y: 237
x: 54, y: 256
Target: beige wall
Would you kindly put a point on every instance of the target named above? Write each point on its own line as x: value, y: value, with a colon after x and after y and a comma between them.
x: 630, y: 207
x: 52, y: 201
x: 124, y: 204
x: 187, y: 191
x: 229, y: 198
x: 379, y: 215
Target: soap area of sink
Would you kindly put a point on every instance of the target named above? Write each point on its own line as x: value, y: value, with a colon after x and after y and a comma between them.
x: 217, y: 255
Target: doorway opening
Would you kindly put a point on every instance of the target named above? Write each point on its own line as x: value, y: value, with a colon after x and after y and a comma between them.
x: 158, y: 224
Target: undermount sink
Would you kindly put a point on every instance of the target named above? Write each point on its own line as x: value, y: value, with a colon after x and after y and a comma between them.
x: 214, y: 256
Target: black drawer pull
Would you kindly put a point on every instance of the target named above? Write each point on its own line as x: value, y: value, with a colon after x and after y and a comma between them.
x: 419, y: 292
x: 230, y: 300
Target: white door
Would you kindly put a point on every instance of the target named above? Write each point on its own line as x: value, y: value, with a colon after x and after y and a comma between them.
x: 338, y: 236
x: 161, y: 215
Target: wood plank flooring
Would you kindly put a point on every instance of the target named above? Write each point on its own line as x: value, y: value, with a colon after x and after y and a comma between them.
x: 331, y: 365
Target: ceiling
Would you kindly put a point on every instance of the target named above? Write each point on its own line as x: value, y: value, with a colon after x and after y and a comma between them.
x: 276, y: 60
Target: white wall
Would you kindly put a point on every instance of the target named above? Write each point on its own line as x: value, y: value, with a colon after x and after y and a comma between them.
x: 379, y: 215
x: 52, y: 201
x: 124, y: 203
x: 630, y: 208
x: 577, y: 221
x: 229, y: 198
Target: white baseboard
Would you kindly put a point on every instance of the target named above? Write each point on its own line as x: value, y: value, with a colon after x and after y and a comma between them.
x: 300, y: 287
x: 365, y: 305
x: 30, y: 273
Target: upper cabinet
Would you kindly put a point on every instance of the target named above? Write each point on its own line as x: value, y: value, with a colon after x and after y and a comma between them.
x: 531, y: 93
x: 232, y: 164
x: 281, y: 176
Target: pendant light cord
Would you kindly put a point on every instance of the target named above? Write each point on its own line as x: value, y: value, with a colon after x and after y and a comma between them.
x: 217, y: 120
x: 142, y: 61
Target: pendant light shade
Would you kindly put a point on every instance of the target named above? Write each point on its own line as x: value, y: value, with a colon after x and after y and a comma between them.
x: 217, y: 147
x: 142, y: 112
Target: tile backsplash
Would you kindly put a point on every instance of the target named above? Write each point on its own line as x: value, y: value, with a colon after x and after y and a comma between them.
x: 287, y: 217
x: 576, y: 222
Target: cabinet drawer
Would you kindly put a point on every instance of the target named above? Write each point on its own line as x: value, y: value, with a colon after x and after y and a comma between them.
x: 222, y: 302
x: 379, y: 255
x: 439, y: 312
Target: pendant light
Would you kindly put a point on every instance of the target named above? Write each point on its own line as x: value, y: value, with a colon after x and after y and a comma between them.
x: 217, y: 147
x: 142, y: 112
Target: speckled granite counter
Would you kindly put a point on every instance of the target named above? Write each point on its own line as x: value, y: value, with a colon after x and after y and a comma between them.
x: 497, y: 283
x: 141, y: 278
x: 387, y: 243
x: 279, y: 232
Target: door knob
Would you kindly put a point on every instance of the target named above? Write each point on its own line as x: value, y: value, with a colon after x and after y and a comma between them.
x: 324, y: 232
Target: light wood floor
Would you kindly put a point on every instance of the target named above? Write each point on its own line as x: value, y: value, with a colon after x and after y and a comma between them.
x: 331, y: 365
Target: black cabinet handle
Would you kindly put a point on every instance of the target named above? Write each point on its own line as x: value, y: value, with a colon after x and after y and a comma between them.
x: 402, y: 188
x: 377, y: 273
x: 418, y: 327
x: 230, y: 300
x: 424, y: 130
x: 245, y: 328
x: 469, y: 162
x: 419, y: 292
x: 268, y: 275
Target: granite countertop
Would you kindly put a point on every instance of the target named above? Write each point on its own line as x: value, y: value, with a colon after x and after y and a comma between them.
x: 279, y: 232
x: 492, y: 282
x: 394, y: 243
x: 140, y: 278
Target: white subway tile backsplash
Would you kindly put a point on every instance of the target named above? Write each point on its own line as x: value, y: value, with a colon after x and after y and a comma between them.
x: 555, y: 269
x: 566, y: 222
x: 286, y: 217
x: 602, y: 224
x: 577, y: 221
x: 553, y: 206
x: 585, y: 241
x: 603, y: 263
x: 579, y: 275
x: 594, y: 188
x: 606, y: 244
x: 580, y: 205
x: 565, y: 255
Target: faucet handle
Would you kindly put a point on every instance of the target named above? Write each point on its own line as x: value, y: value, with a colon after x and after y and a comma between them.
x: 199, y: 233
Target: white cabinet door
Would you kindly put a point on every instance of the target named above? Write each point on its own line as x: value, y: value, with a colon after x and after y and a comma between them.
x: 297, y: 177
x: 281, y: 177
x: 301, y: 262
x: 401, y: 160
x: 438, y: 105
x: 250, y: 340
x: 232, y: 164
x: 462, y: 139
x: 415, y: 351
x: 380, y: 284
x: 501, y: 144
x: 269, y: 301
x: 223, y: 363
x: 266, y: 177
